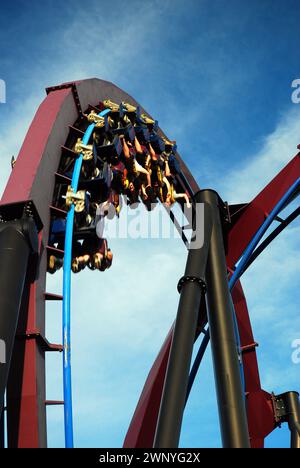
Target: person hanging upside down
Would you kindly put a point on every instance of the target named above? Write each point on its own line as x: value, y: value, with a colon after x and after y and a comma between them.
x: 101, y: 212
x: 93, y: 253
x: 130, y: 162
x: 54, y: 262
x: 102, y: 257
x: 80, y: 259
x: 172, y: 196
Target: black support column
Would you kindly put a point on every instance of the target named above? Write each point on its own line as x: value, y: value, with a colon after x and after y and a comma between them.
x: 232, y: 411
x: 18, y: 239
x: 2, y: 427
x: 192, y: 288
x: 293, y: 417
x: 288, y: 410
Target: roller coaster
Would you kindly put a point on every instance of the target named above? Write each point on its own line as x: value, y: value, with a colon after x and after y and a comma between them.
x: 89, y: 149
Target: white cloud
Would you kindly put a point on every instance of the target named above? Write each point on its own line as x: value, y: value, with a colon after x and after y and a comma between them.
x: 250, y: 176
x: 12, y: 134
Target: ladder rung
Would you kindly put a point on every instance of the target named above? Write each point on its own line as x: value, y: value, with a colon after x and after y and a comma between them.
x: 69, y: 151
x: 94, y: 108
x: 54, y: 402
x: 101, y: 106
x: 54, y: 250
x: 76, y: 130
x: 52, y: 347
x: 249, y: 347
x: 64, y: 179
x: 35, y: 334
x: 58, y: 211
x: 52, y: 297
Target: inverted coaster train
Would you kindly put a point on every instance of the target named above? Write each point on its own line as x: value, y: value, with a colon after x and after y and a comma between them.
x: 89, y: 146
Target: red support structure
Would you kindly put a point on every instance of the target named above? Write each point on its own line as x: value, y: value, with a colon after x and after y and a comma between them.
x: 33, y: 180
x: 259, y: 403
x: 26, y: 412
x: 253, y: 214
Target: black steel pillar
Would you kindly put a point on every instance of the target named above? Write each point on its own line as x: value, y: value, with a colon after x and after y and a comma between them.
x: 18, y: 239
x: 289, y: 406
x: 231, y: 405
x: 192, y: 289
x: 2, y: 442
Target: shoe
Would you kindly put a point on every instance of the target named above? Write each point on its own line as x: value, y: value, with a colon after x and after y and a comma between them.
x: 126, y: 120
x: 147, y: 120
x: 128, y: 107
x: 51, y: 264
x: 75, y: 265
x: 169, y: 145
x: 54, y: 264
x: 97, y: 260
x: 83, y: 261
x: 111, y: 105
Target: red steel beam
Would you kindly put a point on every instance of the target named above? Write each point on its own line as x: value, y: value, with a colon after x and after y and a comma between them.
x: 26, y: 415
x: 259, y: 403
x: 255, y: 212
x: 33, y: 179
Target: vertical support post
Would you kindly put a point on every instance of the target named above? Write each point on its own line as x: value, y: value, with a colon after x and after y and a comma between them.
x: 192, y: 289
x: 288, y: 407
x: 17, y: 240
x: 26, y: 387
x: 26, y: 410
x: 231, y: 405
x: 2, y: 430
x: 293, y: 410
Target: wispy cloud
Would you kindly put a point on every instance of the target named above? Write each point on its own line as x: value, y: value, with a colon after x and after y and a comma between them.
x: 12, y: 134
x: 249, y: 176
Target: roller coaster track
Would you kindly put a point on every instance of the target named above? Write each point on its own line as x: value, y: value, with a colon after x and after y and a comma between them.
x: 35, y: 182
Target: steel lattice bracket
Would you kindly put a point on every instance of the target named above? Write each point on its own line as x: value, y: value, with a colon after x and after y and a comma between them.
x: 287, y: 409
x: 76, y: 198
x: 98, y: 120
x: 282, y: 406
x: 86, y: 150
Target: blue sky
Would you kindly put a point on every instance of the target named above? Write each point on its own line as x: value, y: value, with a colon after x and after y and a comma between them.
x: 217, y: 75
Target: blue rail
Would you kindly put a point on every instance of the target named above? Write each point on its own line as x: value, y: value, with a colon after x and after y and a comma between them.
x: 67, y: 382
x: 197, y: 362
x: 261, y: 232
x: 285, y: 200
